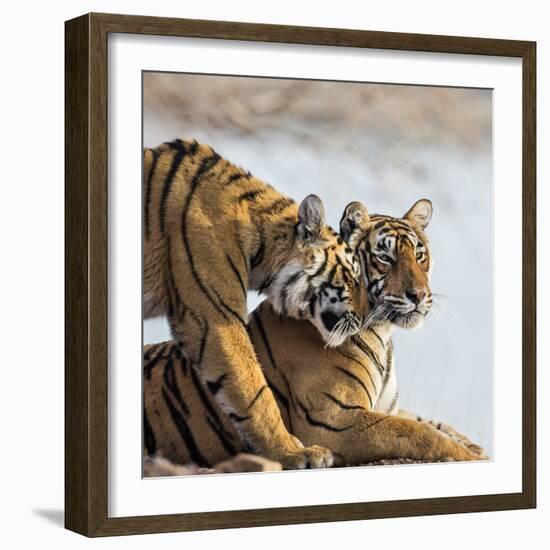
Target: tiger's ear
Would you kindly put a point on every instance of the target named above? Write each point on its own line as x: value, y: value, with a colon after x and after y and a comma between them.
x: 420, y: 213
x: 311, y: 218
x: 355, y: 221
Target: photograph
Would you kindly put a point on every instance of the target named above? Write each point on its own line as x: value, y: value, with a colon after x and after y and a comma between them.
x: 319, y: 244
x: 318, y: 271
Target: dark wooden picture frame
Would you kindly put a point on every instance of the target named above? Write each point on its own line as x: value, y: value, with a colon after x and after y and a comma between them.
x: 86, y: 420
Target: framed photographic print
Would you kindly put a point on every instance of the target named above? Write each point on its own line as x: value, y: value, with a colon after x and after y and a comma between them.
x: 300, y: 274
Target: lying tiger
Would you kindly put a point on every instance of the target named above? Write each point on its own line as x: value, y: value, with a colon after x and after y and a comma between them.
x: 344, y: 398
x: 212, y: 232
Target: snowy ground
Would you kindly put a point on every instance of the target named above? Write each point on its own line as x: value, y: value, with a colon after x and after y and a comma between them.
x: 386, y: 146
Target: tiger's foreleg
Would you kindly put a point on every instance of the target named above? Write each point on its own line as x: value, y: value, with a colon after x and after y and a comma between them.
x: 449, y: 430
x: 364, y: 436
x: 229, y: 367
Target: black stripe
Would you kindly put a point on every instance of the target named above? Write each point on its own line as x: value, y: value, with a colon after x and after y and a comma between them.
x: 153, y: 348
x: 185, y: 433
x: 373, y: 285
x: 204, y: 398
x: 203, y: 342
x: 362, y: 345
x: 341, y: 404
x: 173, y: 289
x: 149, y: 435
x: 216, y: 423
x: 171, y: 383
x: 289, y: 390
x: 340, y: 262
x: 402, y: 225
x: 259, y: 256
x: 203, y: 326
x: 312, y: 301
x: 236, y: 418
x: 175, y: 144
x: 357, y: 379
x: 363, y: 256
x: 257, y: 396
x: 171, y: 280
x: 319, y: 424
x: 216, y: 386
x: 331, y: 275
x: 227, y: 445
x: 364, y: 367
x: 176, y: 161
x: 276, y: 207
x: 266, y: 282
x: 229, y: 309
x: 183, y: 365
x: 379, y: 420
x: 251, y: 195
x: 206, y: 165
x: 193, y: 147
x: 244, y: 257
x: 322, y: 266
x: 284, y: 401
x: 236, y: 177
x: 148, y: 192
x: 263, y: 334
x: 152, y: 363
x: 237, y: 274
x: 378, y: 337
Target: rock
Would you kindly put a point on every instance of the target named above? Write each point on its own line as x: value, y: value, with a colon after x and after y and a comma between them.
x: 244, y: 462
x: 158, y: 466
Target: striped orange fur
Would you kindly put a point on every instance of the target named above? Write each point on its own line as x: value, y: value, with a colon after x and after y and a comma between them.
x: 212, y: 231
x: 344, y: 398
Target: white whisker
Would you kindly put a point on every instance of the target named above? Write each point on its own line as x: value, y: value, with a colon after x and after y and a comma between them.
x: 378, y: 313
x: 345, y: 326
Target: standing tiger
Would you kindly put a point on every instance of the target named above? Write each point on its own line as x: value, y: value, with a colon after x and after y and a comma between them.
x: 213, y: 231
x: 344, y: 398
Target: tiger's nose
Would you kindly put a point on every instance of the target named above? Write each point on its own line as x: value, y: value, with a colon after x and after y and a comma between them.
x: 415, y: 295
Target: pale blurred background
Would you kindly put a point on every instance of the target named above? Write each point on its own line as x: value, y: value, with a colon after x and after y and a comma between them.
x: 387, y: 146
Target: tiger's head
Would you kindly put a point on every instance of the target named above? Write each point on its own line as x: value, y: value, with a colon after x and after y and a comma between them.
x: 321, y: 281
x: 397, y: 265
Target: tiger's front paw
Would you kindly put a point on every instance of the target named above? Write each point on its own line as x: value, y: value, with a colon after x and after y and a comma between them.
x: 463, y: 440
x: 477, y: 450
x: 457, y: 452
x: 307, y: 457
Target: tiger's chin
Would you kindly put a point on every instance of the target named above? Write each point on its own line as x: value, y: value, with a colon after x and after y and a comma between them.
x: 412, y: 320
